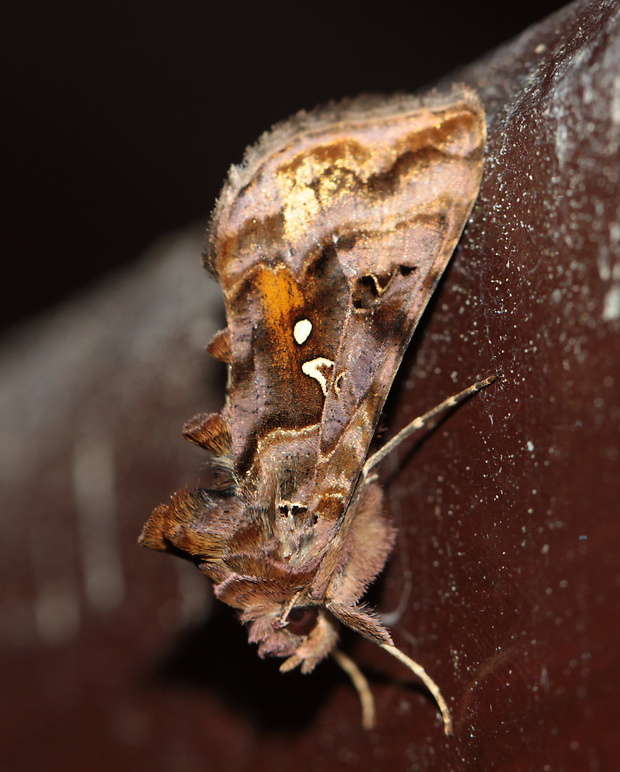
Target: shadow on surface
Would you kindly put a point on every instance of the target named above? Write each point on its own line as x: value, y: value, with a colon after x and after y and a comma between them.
x: 214, y: 656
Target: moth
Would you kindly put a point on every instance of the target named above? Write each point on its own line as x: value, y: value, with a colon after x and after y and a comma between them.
x: 327, y: 241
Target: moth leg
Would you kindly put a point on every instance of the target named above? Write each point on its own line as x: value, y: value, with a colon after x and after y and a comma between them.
x: 359, y: 681
x: 420, y: 422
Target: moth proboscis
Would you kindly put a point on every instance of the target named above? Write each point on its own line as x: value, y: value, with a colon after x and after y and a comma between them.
x: 328, y: 242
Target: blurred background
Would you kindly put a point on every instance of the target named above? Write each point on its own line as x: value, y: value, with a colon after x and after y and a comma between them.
x: 121, y: 118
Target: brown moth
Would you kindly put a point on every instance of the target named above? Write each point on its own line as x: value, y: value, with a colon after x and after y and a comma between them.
x: 328, y: 242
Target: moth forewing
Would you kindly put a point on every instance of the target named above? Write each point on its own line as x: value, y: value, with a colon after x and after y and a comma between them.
x: 327, y: 242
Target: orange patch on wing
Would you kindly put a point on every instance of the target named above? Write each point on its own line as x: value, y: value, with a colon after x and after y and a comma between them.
x: 281, y: 294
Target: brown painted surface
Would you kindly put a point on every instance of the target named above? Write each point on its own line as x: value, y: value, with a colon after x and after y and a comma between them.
x: 506, y: 571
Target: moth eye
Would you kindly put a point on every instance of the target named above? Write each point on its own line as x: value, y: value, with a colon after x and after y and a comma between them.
x: 301, y: 620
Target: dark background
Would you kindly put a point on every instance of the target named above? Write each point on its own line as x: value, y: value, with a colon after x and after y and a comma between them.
x: 121, y: 118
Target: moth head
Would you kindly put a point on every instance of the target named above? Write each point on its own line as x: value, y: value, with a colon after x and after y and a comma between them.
x: 303, y: 634
x: 206, y: 527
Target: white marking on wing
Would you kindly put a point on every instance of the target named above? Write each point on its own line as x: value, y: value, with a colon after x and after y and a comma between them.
x: 302, y: 330
x: 313, y: 370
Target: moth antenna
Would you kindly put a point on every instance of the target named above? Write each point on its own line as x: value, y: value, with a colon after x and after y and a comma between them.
x: 419, y: 423
x: 292, y: 602
x: 416, y: 668
x: 362, y: 687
